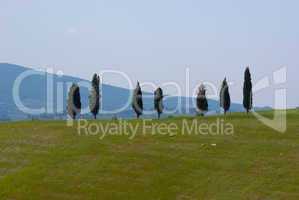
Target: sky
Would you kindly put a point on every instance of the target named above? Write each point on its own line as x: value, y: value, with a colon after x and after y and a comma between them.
x: 156, y: 41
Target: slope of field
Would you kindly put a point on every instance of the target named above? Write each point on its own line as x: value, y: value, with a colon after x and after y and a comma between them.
x: 47, y: 160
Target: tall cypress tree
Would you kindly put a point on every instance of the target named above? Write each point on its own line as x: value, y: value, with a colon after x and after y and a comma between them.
x: 94, y: 97
x: 137, y: 102
x: 158, y: 101
x: 247, y: 91
x: 224, y: 96
x: 201, y: 100
x: 74, y: 101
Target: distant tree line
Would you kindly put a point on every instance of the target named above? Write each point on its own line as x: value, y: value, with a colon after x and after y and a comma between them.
x: 74, y: 99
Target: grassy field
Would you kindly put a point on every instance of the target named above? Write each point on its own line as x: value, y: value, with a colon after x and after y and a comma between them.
x: 48, y: 160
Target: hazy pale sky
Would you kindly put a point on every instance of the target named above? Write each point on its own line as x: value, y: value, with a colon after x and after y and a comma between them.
x: 156, y: 40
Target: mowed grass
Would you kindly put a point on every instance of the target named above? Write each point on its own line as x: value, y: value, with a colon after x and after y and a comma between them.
x: 48, y: 160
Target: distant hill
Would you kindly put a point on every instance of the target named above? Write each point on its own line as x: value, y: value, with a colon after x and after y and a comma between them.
x: 34, y: 91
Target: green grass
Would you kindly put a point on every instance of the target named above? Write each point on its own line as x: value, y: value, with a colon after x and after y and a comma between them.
x: 47, y: 160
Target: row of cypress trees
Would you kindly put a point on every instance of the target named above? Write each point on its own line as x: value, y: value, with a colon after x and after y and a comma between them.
x: 74, y: 101
x: 201, y: 99
x: 137, y: 102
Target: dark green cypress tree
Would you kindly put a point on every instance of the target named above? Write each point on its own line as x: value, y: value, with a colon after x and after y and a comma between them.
x: 94, y: 97
x: 137, y: 102
x: 201, y: 100
x: 224, y: 96
x: 74, y: 101
x: 158, y: 101
x: 247, y: 91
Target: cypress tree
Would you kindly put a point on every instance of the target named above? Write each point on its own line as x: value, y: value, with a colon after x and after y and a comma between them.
x: 201, y: 100
x: 224, y: 96
x: 74, y: 101
x: 137, y: 102
x: 94, y: 97
x: 247, y: 91
x: 158, y: 101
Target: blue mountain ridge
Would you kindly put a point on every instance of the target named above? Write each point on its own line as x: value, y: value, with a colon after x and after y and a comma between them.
x: 33, y: 93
